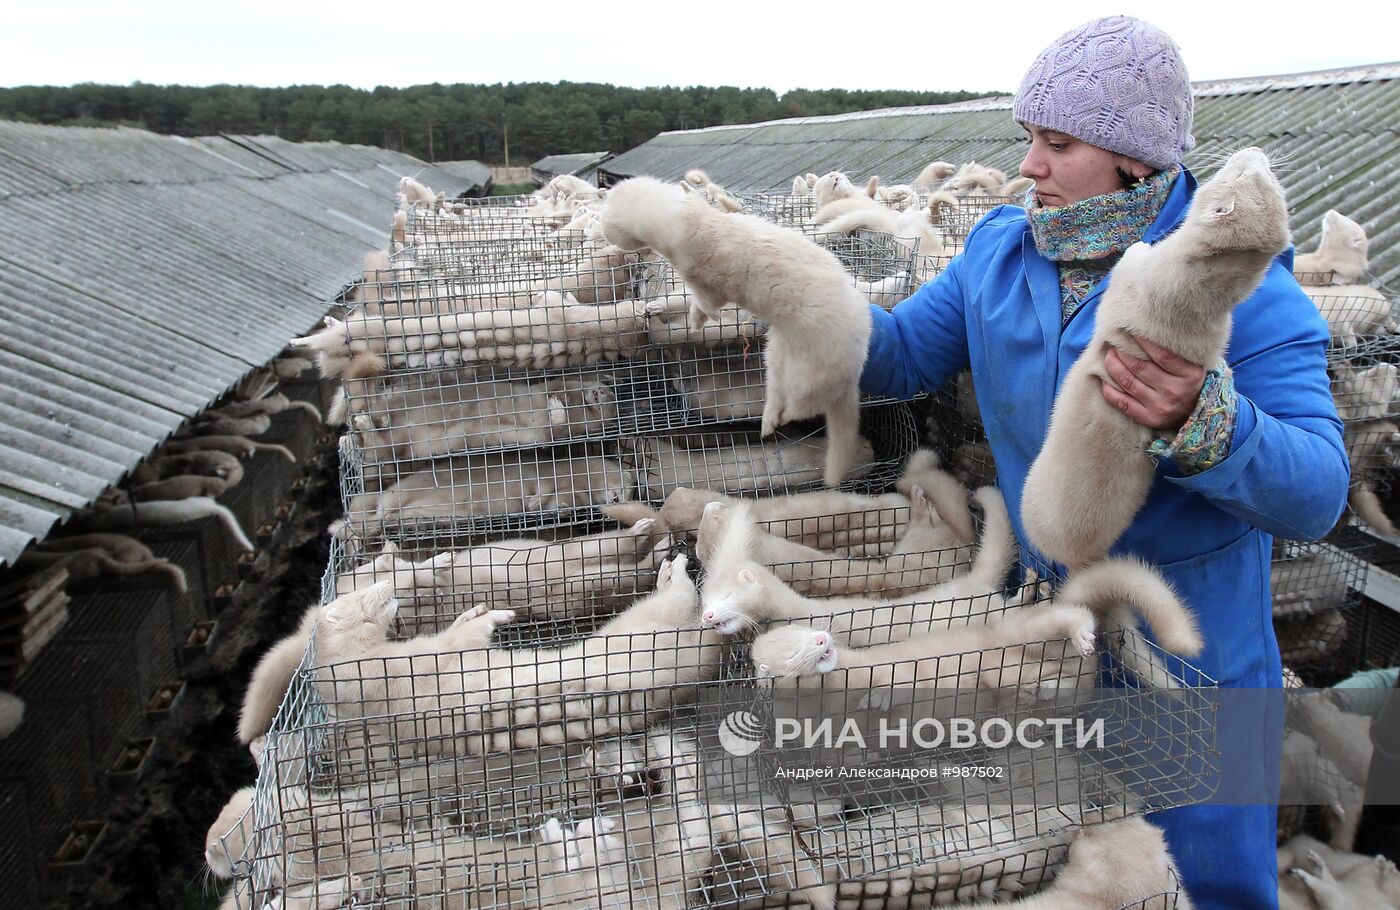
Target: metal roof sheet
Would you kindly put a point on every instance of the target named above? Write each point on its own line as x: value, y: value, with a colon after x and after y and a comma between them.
x: 1334, y: 134
x: 554, y: 165
x: 474, y: 172
x: 141, y: 276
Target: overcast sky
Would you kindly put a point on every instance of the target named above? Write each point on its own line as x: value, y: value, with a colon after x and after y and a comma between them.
x: 909, y: 46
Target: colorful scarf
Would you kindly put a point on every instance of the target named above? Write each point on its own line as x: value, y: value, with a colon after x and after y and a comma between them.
x: 1087, y: 237
x: 1100, y: 226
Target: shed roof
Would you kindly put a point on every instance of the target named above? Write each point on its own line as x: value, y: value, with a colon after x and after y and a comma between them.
x: 555, y: 165
x: 1337, y: 131
x: 141, y: 276
x: 475, y: 174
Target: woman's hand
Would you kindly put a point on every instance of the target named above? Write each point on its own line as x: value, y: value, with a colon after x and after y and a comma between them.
x: 1160, y: 392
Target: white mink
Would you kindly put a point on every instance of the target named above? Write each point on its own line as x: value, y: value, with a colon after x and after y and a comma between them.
x: 1364, y: 394
x: 1018, y: 648
x: 491, y: 485
x: 931, y: 550
x: 934, y: 173
x: 617, y: 680
x: 1311, y: 875
x: 718, y: 195
x: 740, y: 593
x: 411, y: 192
x: 736, y: 465
x: 973, y: 179
x: 1111, y: 865
x: 832, y: 186
x: 458, y: 413
x: 819, y: 326
x: 1341, y: 256
x: 723, y: 387
x: 1092, y: 476
x: 579, y: 576
x: 1353, y: 310
x: 851, y: 524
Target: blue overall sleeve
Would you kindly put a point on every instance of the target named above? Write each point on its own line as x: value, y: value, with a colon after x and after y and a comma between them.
x: 922, y: 342
x: 1287, y: 471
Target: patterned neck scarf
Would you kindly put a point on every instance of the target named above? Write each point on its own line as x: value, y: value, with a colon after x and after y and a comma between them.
x: 1100, y: 226
x: 1086, y: 238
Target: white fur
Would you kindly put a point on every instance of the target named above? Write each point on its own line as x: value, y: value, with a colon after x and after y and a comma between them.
x: 1092, y: 474
x: 1341, y: 256
x: 818, y: 324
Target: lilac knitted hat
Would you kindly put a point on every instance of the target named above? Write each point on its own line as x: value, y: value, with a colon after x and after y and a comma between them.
x: 1117, y: 83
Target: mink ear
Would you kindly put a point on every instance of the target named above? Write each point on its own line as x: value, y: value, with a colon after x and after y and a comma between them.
x: 747, y: 577
x: 337, y: 614
x: 1222, y: 211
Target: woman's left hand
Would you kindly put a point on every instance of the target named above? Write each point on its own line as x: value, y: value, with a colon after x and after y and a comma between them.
x: 1160, y: 392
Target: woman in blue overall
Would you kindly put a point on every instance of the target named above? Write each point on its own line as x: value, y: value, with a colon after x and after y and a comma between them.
x: 1246, y: 450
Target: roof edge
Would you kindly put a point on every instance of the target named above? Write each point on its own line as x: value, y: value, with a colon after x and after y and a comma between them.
x: 1373, y: 72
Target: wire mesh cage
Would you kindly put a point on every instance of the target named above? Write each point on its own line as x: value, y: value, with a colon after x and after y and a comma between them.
x: 953, y: 428
x: 513, y: 696
x: 1358, y: 316
x: 780, y: 208
x: 431, y: 770
x: 480, y: 494
x: 538, y: 486
x: 1316, y: 588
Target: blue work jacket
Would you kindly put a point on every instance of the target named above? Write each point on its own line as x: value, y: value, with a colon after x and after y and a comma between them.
x: 996, y: 308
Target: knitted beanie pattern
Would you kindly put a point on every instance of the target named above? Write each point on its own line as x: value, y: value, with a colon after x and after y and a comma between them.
x: 1117, y: 83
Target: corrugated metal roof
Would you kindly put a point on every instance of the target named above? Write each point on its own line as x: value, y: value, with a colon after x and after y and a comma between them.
x: 141, y: 276
x: 476, y: 174
x: 1335, y: 133
x: 554, y: 165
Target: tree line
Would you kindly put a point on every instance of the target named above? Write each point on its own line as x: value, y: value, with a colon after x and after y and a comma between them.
x: 441, y: 122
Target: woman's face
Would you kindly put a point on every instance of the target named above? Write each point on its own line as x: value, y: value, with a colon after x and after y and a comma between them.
x: 1067, y: 170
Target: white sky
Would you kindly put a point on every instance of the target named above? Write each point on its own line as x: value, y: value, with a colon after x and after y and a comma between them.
x: 718, y: 42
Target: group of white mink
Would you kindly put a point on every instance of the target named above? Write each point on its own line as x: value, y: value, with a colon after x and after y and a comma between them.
x: 820, y: 595
x: 844, y: 584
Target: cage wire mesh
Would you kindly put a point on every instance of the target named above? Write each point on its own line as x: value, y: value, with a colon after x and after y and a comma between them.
x: 952, y: 427
x: 540, y: 723
x: 546, y: 484
x: 428, y: 800
x: 595, y: 307
x: 413, y: 774
x: 1316, y: 588
x: 1358, y: 317
x: 1365, y: 387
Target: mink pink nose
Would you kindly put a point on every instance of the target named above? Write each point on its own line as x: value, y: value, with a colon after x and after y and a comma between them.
x: 709, y: 616
x: 821, y: 639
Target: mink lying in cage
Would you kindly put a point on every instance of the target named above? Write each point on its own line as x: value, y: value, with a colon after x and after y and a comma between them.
x: 458, y: 411
x: 740, y: 594
x: 1373, y: 448
x: 603, y: 684
x: 735, y: 462
x: 497, y: 484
